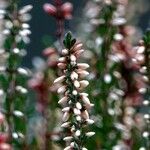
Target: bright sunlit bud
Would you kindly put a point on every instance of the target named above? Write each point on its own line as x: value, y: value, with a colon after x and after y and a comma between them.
x: 65, y: 125
x: 74, y: 92
x: 68, y: 138
x: 82, y: 66
x: 61, y: 90
x: 62, y: 59
x: 84, y: 148
x: 74, y: 76
x: 76, y: 111
x: 89, y: 134
x: 76, y: 84
x: 90, y: 121
x: 78, y: 133
x: 78, y: 105
x: 64, y: 52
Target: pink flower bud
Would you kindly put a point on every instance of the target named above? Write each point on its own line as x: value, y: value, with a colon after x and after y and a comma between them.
x: 50, y: 9
x: 67, y: 8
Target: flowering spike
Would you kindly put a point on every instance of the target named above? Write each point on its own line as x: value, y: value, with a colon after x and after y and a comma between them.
x: 75, y: 114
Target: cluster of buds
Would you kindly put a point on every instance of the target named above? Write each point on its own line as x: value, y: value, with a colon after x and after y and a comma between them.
x: 75, y: 103
x: 61, y: 12
x: 16, y: 32
x: 145, y: 71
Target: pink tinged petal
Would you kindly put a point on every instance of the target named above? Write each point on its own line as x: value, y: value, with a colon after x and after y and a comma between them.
x: 68, y: 138
x: 67, y: 9
x: 61, y: 90
x: 59, y: 79
x: 82, y: 66
x: 63, y: 100
x: 61, y: 65
x: 65, y: 125
x: 50, y: 9
x: 66, y: 116
x: 78, y: 47
x: 82, y: 73
x: 66, y: 109
x: 86, y: 100
x: 85, y: 114
x: 79, y: 52
x: 84, y: 83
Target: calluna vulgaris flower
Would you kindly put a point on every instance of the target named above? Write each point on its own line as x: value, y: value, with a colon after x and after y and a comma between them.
x: 75, y: 103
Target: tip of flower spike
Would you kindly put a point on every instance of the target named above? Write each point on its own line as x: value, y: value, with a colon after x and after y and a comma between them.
x: 69, y: 41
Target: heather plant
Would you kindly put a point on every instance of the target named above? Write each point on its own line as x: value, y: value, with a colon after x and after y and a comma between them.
x: 12, y: 76
x: 99, y: 101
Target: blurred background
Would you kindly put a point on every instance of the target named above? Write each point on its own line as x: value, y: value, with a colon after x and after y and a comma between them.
x: 43, y: 26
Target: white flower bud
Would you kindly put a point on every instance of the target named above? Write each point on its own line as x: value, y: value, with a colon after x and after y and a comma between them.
x: 78, y: 133
x: 90, y: 121
x: 61, y: 90
x: 86, y: 100
x: 21, y: 89
x: 82, y: 73
x: 63, y: 100
x: 89, y: 134
x: 68, y: 138
x: 74, y: 76
x: 78, y: 105
x: 59, y: 79
x: 84, y: 83
x: 84, y: 94
x: 74, y: 92
x: 65, y: 125
x: 84, y: 148
x: 82, y: 65
x: 76, y: 84
x: 73, y: 58
x: 64, y: 52
x: 78, y: 118
x: 66, y: 116
x: 68, y: 148
x: 76, y: 111
x: 62, y: 59
x: 66, y: 109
